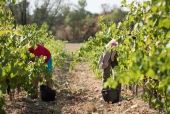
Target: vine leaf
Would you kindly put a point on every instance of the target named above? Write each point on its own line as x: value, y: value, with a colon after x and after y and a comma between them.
x: 150, y: 73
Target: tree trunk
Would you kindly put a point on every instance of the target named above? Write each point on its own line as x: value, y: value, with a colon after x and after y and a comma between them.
x: 24, y: 16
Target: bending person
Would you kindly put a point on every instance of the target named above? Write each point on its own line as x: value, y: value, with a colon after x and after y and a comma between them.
x: 40, y: 50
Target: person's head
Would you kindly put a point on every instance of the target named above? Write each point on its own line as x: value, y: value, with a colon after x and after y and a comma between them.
x: 112, y: 43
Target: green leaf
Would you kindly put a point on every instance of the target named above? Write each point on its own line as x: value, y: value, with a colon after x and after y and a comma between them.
x: 164, y: 23
x: 150, y: 73
x: 0, y: 92
x: 154, y: 8
x: 123, y: 2
x: 13, y: 1
x: 168, y: 34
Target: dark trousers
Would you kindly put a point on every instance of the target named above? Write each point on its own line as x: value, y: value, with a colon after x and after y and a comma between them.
x: 106, y: 73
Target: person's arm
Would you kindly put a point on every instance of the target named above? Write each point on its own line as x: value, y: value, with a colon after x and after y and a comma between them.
x: 100, y: 61
x: 114, y: 59
x: 105, y: 59
x: 113, y: 55
x: 101, y: 58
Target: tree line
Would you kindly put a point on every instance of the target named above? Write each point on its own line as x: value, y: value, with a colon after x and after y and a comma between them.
x: 65, y: 20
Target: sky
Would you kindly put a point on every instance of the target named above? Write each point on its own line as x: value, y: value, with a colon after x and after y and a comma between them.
x: 94, y: 6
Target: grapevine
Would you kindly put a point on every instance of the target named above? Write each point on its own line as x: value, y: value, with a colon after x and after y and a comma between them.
x: 148, y: 55
x: 15, y: 59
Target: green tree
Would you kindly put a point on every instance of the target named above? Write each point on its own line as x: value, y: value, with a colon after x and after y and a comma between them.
x: 117, y: 15
x: 76, y: 19
x: 19, y: 11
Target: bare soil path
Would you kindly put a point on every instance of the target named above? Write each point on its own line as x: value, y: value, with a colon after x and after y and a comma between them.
x: 72, y: 46
x: 79, y: 93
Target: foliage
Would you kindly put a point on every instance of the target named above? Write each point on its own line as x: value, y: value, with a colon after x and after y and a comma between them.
x: 117, y: 15
x: 15, y: 59
x: 59, y: 53
x: 61, y: 15
x: 76, y: 19
x: 148, y: 55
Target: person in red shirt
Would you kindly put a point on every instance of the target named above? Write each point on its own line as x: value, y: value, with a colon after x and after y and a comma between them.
x: 40, y: 50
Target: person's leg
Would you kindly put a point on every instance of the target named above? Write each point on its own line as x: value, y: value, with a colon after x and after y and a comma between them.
x: 35, y: 83
x: 34, y: 90
x: 113, y: 64
x: 48, y: 81
x: 106, y: 74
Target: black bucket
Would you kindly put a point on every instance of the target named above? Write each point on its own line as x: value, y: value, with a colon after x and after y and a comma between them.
x: 112, y: 95
x: 47, y: 94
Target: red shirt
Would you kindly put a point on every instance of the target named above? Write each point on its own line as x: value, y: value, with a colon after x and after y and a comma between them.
x: 41, y: 51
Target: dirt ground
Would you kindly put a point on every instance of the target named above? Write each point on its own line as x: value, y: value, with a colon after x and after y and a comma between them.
x: 72, y: 46
x: 79, y: 93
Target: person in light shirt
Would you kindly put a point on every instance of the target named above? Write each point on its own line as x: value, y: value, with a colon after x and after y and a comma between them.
x: 108, y: 60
